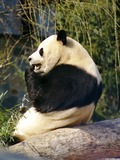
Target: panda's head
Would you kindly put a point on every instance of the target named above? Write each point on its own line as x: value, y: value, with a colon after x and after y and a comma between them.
x: 49, y: 53
x: 60, y: 49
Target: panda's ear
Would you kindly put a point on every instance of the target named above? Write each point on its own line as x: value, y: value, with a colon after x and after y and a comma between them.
x: 61, y: 36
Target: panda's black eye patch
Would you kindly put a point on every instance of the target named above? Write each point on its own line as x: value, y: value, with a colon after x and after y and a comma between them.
x: 41, y: 52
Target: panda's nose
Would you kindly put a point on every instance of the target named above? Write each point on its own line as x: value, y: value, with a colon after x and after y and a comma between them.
x: 29, y: 59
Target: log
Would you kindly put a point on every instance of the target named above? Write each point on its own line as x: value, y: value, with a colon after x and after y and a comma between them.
x: 92, y: 141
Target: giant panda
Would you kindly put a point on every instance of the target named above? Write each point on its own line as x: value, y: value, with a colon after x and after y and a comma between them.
x: 64, y: 86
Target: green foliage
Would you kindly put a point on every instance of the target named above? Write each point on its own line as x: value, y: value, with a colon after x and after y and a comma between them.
x: 7, y: 125
x: 8, y: 119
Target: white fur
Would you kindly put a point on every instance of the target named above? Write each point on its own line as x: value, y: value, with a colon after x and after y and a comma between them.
x: 35, y: 123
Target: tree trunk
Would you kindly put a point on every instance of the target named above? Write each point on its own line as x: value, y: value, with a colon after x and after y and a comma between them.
x: 88, y: 142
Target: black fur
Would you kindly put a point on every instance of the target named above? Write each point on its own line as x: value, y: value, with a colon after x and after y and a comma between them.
x: 63, y: 87
x: 61, y: 36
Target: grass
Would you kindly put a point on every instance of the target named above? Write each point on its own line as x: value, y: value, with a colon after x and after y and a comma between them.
x: 7, y: 123
x: 8, y: 120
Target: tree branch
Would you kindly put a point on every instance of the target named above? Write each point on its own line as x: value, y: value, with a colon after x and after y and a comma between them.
x: 92, y: 141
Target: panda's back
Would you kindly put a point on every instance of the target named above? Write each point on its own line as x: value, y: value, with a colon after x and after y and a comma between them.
x: 81, y: 58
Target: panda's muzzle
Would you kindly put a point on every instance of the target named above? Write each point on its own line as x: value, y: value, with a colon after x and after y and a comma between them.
x: 35, y: 64
x: 36, y: 67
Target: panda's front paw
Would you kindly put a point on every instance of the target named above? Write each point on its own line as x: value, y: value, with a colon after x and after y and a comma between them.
x: 29, y: 71
x: 28, y: 74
